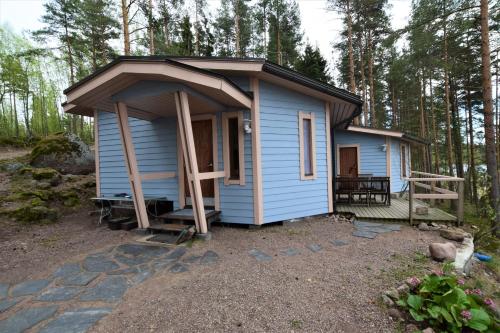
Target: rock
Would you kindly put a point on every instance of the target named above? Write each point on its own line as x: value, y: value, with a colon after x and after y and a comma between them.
x: 395, y: 314
x: 314, y: 247
x: 403, y: 289
x: 64, y: 152
x: 34, y: 214
x: 80, y: 279
x: 8, y: 303
x: 76, y: 321
x: 392, y: 294
x: 428, y: 330
x: 411, y: 328
x: 58, y: 294
x: 443, y: 251
x: 111, y: 289
x: 209, y: 258
x: 364, y: 234
x: 387, y: 301
x: 423, y: 227
x: 29, y: 287
x: 70, y: 198
x: 422, y: 210
x: 290, y: 252
x: 339, y: 242
x: 27, y: 318
x: 99, y: 263
x: 453, y: 234
x: 4, y: 288
x: 178, y: 268
x: 67, y: 270
x: 259, y: 255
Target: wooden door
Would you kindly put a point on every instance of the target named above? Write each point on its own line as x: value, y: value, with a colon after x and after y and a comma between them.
x: 202, y: 133
x: 348, y: 161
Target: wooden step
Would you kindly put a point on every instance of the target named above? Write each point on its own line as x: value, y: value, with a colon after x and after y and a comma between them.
x: 187, y: 216
x: 168, y: 227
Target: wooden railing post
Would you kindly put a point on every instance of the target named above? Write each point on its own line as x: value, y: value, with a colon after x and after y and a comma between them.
x: 411, y: 190
x: 460, y: 208
x: 433, y: 184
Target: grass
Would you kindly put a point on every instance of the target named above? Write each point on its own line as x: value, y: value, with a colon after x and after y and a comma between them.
x: 417, y: 264
x: 296, y: 324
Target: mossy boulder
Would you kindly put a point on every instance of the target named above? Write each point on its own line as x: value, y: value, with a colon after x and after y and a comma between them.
x: 34, y: 214
x: 48, y: 175
x: 66, y: 153
x: 69, y: 198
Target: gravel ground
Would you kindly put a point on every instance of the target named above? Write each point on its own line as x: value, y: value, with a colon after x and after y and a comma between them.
x: 333, y: 290
x: 30, y: 252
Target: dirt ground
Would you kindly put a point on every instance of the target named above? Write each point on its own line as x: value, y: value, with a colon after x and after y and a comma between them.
x: 29, y: 252
x: 333, y: 290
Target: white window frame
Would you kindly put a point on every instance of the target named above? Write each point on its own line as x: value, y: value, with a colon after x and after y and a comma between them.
x: 225, y: 147
x: 311, y: 117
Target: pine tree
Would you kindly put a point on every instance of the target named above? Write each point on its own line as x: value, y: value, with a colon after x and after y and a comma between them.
x: 185, y: 44
x: 312, y: 64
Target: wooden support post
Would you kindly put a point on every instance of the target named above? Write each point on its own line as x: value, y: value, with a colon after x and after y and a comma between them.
x: 433, y: 184
x: 460, y: 208
x: 190, y: 161
x: 131, y: 164
x: 410, y: 205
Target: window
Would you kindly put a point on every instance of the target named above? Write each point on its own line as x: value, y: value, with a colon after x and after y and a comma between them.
x: 403, y: 161
x: 233, y: 148
x: 307, y: 146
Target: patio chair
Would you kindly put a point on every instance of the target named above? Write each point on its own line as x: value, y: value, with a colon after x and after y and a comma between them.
x: 379, y: 187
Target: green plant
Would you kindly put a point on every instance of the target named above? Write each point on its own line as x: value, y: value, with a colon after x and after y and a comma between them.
x: 446, y: 303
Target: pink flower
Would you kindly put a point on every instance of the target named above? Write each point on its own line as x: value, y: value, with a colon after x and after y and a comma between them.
x: 466, y: 315
x: 477, y: 292
x: 468, y: 291
x: 461, y: 282
x: 438, y: 272
x: 489, y: 302
x: 413, y: 281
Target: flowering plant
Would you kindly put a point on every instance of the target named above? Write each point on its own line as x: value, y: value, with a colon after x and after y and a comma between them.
x: 445, y: 303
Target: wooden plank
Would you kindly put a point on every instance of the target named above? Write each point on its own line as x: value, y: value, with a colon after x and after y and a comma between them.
x: 256, y: 153
x: 434, y: 188
x: 157, y: 175
x: 450, y: 196
x: 211, y: 175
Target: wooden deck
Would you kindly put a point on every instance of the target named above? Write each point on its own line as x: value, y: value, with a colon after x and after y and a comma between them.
x: 397, y: 212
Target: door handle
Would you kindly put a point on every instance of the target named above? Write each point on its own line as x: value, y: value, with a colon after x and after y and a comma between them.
x: 210, y: 165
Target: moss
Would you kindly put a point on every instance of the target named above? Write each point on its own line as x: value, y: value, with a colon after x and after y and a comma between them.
x: 57, y: 144
x: 70, y: 198
x: 37, y: 202
x: 34, y: 215
x: 40, y: 173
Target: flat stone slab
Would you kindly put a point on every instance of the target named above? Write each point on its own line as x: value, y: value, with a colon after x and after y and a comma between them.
x: 176, y: 254
x: 362, y: 224
x: 142, y: 250
x: 259, y: 255
x: 364, y: 234
x: 314, y: 247
x: 209, y: 258
x: 377, y: 230
x: 339, y: 242
x: 191, y: 259
x: 290, y: 252
x: 143, y: 273
x: 132, y: 261
x: 178, y: 268
x: 8, y: 303
x: 76, y: 321
x: 67, y: 270
x: 111, y: 289
x: 4, y: 288
x: 124, y: 271
x: 28, y: 287
x: 27, y: 318
x: 99, y: 263
x: 81, y: 279
x: 59, y: 294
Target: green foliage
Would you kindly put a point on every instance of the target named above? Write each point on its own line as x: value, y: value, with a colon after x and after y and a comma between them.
x: 34, y: 214
x: 57, y: 144
x: 444, y: 302
x: 312, y: 64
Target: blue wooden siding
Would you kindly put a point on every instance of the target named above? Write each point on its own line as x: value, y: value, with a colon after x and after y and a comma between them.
x: 155, y: 149
x: 285, y: 196
x: 397, y: 182
x: 236, y: 201
x: 372, y: 158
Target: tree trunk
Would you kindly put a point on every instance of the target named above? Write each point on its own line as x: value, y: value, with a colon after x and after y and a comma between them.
x: 16, y: 121
x: 363, y: 80
x: 151, y: 29
x: 352, y: 82
x: 237, y: 34
x: 126, y: 34
x: 371, y: 81
x: 434, y: 130
x: 472, y: 165
x: 196, y: 31
x: 489, y: 136
x: 394, y: 103
x: 422, y: 122
x: 449, y: 146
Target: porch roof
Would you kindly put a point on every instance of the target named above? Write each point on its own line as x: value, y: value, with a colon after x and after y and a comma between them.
x: 388, y: 132
x: 147, y: 85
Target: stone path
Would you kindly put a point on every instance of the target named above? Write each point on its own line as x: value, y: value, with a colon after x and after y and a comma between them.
x: 101, y: 277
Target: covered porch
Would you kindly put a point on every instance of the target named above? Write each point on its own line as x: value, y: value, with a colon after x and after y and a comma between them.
x: 158, y: 91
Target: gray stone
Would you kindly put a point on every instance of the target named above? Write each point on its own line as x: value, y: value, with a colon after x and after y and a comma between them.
x: 142, y: 275
x: 4, y: 288
x: 443, y: 251
x: 111, y: 289
x: 290, y: 252
x: 428, y: 330
x: 27, y: 318
x: 362, y: 224
x: 205, y: 237
x: 209, y: 258
x: 392, y: 294
x: 422, y: 210
x: 364, y: 234
x: 339, y: 242
x: 59, y: 294
x: 99, y: 263
x: 142, y: 250
x: 29, y: 287
x: 160, y: 265
x: 403, y: 289
x: 395, y: 314
x: 175, y: 254
x: 424, y: 227
x: 453, y: 234
x: 132, y: 261
x: 76, y: 321
x: 191, y: 259
x: 378, y: 230
x: 314, y: 247
x: 387, y: 301
x: 259, y: 255
x: 411, y: 328
x: 81, y: 279
x: 123, y: 271
x: 178, y: 268
x: 67, y: 270
x: 8, y: 303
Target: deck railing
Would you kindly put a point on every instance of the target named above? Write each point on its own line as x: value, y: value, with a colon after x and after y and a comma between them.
x: 430, y: 182
x: 363, y: 190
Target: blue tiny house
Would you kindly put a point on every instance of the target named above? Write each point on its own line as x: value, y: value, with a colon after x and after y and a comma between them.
x: 250, y: 140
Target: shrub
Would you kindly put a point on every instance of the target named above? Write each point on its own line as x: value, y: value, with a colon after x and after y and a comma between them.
x: 445, y: 303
